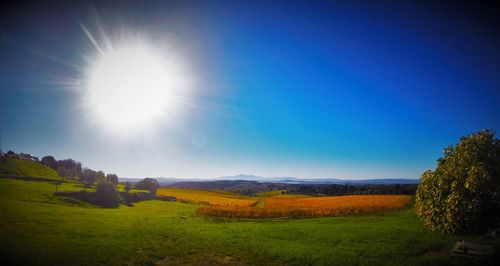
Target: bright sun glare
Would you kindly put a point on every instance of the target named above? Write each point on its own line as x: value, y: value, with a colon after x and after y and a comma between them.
x: 132, y: 83
x: 129, y: 86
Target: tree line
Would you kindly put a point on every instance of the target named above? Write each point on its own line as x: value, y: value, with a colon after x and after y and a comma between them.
x: 73, y: 170
x: 347, y: 189
x: 106, y: 193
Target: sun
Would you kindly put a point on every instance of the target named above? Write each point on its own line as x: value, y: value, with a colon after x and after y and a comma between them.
x: 135, y: 82
x: 129, y: 86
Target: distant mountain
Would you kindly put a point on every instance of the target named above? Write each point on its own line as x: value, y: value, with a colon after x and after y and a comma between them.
x: 242, y: 177
x: 247, y: 187
x: 295, y: 180
x: 165, y: 181
x: 238, y: 186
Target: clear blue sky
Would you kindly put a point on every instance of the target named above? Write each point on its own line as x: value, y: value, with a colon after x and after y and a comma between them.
x: 325, y: 90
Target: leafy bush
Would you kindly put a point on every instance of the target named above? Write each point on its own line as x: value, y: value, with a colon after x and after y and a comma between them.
x: 112, y: 178
x: 106, y: 195
x: 463, y: 193
x: 147, y: 183
x: 128, y: 187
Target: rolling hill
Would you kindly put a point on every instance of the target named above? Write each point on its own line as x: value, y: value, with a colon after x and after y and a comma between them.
x: 22, y: 169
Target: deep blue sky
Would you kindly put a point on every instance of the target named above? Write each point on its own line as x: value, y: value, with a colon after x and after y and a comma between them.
x: 341, y: 90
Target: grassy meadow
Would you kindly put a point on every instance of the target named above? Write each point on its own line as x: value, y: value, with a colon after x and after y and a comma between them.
x: 38, y: 228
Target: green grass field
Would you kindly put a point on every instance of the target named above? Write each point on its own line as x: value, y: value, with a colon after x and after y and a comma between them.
x: 37, y: 228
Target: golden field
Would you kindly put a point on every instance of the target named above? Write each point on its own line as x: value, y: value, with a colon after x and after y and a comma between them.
x: 206, y: 197
x: 311, y: 206
x: 225, y: 204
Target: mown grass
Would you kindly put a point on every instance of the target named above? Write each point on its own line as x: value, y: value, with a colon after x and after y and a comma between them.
x: 11, y: 167
x: 37, y: 228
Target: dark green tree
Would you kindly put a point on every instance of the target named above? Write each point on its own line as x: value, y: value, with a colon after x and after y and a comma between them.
x: 112, y: 178
x: 150, y: 184
x: 100, y: 176
x: 49, y: 161
x: 463, y: 193
x: 106, y: 195
x: 88, y: 176
x: 128, y: 187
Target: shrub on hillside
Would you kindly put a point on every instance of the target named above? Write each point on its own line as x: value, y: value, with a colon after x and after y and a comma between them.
x: 112, y: 178
x: 147, y: 183
x: 128, y: 187
x: 88, y: 177
x: 463, y: 193
x: 67, y: 168
x: 106, y: 195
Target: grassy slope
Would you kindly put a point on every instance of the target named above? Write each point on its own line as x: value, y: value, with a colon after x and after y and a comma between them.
x: 10, y: 167
x: 38, y: 229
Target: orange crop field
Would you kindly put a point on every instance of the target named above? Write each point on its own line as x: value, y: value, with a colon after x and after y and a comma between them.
x: 212, y: 198
x: 226, y: 204
x: 310, y: 206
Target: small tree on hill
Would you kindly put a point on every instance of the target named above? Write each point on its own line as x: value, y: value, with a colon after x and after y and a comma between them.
x: 128, y: 187
x: 100, y: 176
x: 112, y: 178
x: 49, y: 161
x: 88, y: 176
x: 150, y: 184
x: 106, y: 195
x: 463, y: 193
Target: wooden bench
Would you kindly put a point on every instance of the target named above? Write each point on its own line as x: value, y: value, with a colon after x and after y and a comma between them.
x: 470, y: 250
